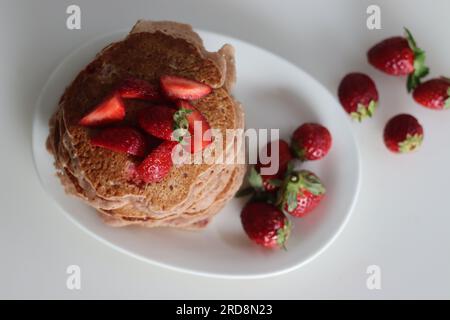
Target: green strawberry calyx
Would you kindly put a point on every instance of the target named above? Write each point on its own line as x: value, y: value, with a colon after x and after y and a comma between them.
x: 283, y: 234
x: 255, y: 180
x: 363, y: 111
x: 256, y: 188
x: 290, y: 168
x: 275, y: 182
x: 298, y: 151
x: 296, y: 184
x: 411, y: 143
x: 420, y: 69
x: 181, y: 124
x: 447, y: 101
x: 244, y: 192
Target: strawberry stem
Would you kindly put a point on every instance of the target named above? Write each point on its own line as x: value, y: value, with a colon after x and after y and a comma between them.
x: 420, y: 69
x: 447, y: 101
x: 411, y: 143
x: 244, y: 192
x: 364, y: 112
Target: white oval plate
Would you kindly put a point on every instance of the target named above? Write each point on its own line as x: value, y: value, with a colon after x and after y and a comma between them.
x: 275, y: 94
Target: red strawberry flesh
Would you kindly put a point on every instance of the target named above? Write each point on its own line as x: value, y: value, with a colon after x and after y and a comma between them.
x: 110, y: 110
x: 182, y: 88
x: 157, y: 121
x: 121, y: 139
x: 133, y: 88
x: 157, y: 164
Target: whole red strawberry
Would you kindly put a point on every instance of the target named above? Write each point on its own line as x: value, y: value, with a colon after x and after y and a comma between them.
x: 158, y: 121
x: 400, y: 56
x: 121, y: 139
x: 403, y: 133
x: 157, y: 164
x: 311, y: 141
x: 271, y: 182
x: 433, y: 94
x: 301, y: 193
x: 265, y: 224
x: 358, y: 95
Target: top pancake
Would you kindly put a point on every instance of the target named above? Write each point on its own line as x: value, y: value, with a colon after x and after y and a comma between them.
x: 150, y: 51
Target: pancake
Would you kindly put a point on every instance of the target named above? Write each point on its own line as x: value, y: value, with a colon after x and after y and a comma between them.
x: 191, y: 193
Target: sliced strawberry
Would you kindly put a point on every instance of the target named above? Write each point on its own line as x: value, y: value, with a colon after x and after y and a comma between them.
x: 111, y: 109
x: 182, y: 88
x: 158, y: 121
x: 133, y: 88
x: 188, y: 117
x: 124, y: 140
x: 158, y: 163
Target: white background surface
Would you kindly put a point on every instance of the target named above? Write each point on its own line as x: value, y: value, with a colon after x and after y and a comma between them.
x: 402, y: 217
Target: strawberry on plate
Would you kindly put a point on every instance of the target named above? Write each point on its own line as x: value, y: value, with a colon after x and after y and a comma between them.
x: 133, y: 88
x: 156, y: 166
x: 193, y: 129
x: 181, y: 88
x: 311, y: 141
x: 260, y: 183
x: 121, y: 139
x: 403, y: 133
x: 433, y: 94
x: 400, y: 56
x: 158, y: 121
x: 112, y: 109
x: 302, y: 191
x: 265, y: 224
x: 358, y: 95
x: 271, y: 182
x: 263, y: 186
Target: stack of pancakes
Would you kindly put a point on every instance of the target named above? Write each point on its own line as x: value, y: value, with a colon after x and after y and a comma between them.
x: 191, y: 193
